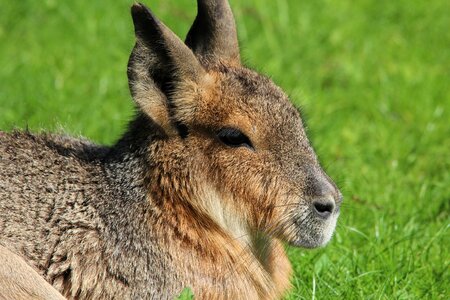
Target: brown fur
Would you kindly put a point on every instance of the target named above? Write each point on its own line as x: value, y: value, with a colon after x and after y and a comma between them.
x: 170, y: 205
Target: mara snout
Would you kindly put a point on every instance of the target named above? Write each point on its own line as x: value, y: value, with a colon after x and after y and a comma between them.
x: 211, y: 176
x: 315, y: 220
x: 307, y: 205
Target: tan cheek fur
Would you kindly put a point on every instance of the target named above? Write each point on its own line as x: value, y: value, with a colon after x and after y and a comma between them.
x: 227, y: 253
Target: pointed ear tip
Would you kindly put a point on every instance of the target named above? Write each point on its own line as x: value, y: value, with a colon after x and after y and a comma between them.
x: 142, y: 15
x: 140, y: 9
x: 136, y: 7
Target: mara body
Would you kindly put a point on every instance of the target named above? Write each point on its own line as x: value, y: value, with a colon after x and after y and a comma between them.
x: 212, y: 175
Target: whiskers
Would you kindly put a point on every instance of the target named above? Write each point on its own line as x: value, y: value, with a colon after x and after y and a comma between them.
x: 286, y: 205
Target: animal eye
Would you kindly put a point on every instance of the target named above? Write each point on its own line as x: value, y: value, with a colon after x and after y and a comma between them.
x: 234, y: 138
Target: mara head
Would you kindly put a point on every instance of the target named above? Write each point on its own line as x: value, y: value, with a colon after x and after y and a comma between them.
x: 229, y: 141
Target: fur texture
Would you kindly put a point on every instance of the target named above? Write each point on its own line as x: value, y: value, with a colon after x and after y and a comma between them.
x: 172, y: 204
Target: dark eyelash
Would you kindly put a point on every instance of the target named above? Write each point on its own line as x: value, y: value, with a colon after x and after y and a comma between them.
x: 234, y: 138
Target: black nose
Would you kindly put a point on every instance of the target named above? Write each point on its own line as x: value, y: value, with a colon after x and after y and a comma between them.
x: 323, y: 208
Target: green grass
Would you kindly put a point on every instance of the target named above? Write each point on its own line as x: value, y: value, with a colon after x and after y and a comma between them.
x: 373, y: 77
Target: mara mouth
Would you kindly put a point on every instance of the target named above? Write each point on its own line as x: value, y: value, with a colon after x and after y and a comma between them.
x: 309, y: 231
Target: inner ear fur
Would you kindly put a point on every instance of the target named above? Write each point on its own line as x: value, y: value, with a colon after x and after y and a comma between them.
x: 160, y: 68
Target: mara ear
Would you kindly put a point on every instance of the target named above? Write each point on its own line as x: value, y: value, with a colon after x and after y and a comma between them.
x: 160, y: 68
x: 213, y: 34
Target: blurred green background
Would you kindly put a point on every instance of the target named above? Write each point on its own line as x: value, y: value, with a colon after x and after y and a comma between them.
x: 372, y: 76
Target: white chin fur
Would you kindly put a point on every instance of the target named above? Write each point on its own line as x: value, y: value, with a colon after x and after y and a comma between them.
x: 329, y: 229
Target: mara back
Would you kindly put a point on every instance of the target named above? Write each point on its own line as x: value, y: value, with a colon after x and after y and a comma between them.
x: 212, y: 175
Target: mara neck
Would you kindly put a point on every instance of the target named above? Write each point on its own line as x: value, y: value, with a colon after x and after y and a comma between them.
x: 214, y: 262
